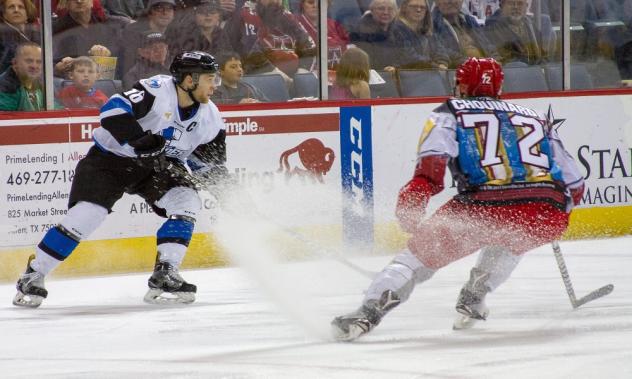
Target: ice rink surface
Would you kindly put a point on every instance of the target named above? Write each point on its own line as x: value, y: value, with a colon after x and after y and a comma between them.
x: 265, y: 320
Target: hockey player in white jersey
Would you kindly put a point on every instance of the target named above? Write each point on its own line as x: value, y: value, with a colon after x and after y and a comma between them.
x: 149, y: 134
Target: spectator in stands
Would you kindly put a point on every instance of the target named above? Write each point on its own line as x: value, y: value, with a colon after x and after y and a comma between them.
x: 158, y: 16
x: 269, y: 40
x: 82, y: 31
x: 60, y: 10
x: 337, y: 36
x: 413, y: 35
x: 152, y: 59
x: 124, y: 8
x: 480, y: 9
x: 516, y: 35
x: 233, y: 90
x: 373, y: 33
x: 352, y: 76
x: 623, y: 52
x: 82, y: 94
x: 19, y: 24
x: 581, y: 10
x: 203, y: 34
x: 230, y: 6
x: 460, y: 33
x: 20, y: 84
x: 603, y: 38
x: 185, y: 11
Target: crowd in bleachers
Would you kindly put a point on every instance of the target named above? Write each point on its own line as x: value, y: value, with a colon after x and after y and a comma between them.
x: 268, y: 49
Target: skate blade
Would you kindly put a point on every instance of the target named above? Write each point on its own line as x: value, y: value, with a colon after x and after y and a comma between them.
x: 354, y: 332
x: 463, y: 322
x: 29, y: 301
x: 157, y: 296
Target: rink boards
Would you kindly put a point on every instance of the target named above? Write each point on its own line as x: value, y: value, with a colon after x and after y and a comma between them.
x: 329, y: 172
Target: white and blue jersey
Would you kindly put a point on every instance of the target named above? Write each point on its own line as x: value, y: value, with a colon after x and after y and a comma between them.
x: 152, y: 105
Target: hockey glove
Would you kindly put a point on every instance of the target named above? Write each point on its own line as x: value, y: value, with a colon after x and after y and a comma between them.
x: 411, y: 203
x: 150, y: 149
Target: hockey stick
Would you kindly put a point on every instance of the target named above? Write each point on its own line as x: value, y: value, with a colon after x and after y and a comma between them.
x: 315, y: 247
x: 576, y: 303
x: 297, y: 236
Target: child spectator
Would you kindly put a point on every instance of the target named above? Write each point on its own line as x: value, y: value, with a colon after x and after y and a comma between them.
x: 233, y: 90
x: 352, y: 76
x: 82, y: 94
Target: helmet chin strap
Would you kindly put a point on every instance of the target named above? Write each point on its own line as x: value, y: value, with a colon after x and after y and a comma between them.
x: 196, y: 81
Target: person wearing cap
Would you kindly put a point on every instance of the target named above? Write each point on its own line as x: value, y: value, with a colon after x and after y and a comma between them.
x: 82, y: 32
x: 269, y: 40
x: 157, y: 17
x: 202, y: 31
x: 124, y: 8
x: 151, y: 60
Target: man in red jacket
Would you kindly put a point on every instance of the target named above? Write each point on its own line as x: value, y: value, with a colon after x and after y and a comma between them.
x: 516, y: 186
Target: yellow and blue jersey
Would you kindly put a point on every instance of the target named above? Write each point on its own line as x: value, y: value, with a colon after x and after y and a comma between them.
x: 496, y: 144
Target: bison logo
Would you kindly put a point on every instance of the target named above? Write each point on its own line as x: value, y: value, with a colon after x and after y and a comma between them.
x: 315, y: 157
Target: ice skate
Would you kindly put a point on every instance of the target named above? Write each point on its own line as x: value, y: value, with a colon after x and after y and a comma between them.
x: 166, y: 286
x: 471, y: 309
x: 30, y: 286
x: 471, y: 302
x: 353, y: 325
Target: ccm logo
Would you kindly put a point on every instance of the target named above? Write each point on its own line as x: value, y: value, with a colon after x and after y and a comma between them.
x: 357, y: 192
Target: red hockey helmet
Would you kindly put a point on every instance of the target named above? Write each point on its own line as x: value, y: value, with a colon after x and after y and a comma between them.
x: 481, y: 77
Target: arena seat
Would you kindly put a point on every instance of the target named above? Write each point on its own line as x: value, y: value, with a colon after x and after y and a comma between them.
x: 305, y: 85
x: 386, y: 89
x: 580, y: 77
x: 272, y: 85
x: 414, y: 83
x: 524, y: 79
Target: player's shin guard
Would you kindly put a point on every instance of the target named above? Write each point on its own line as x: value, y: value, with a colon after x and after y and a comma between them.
x: 494, y: 266
x: 165, y: 284
x: 392, y: 286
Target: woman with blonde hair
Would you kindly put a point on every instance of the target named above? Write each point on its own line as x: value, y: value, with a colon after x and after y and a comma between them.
x: 352, y: 76
x: 18, y: 25
x: 412, y: 35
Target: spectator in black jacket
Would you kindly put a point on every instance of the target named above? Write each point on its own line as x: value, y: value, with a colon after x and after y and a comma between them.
x: 517, y: 36
x: 84, y: 32
x: 460, y: 33
x: 414, y: 35
x: 373, y: 34
x: 202, y: 33
x: 157, y: 17
x: 18, y: 26
x: 152, y: 59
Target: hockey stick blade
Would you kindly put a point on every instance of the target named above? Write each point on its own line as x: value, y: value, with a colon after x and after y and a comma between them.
x: 596, y: 294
